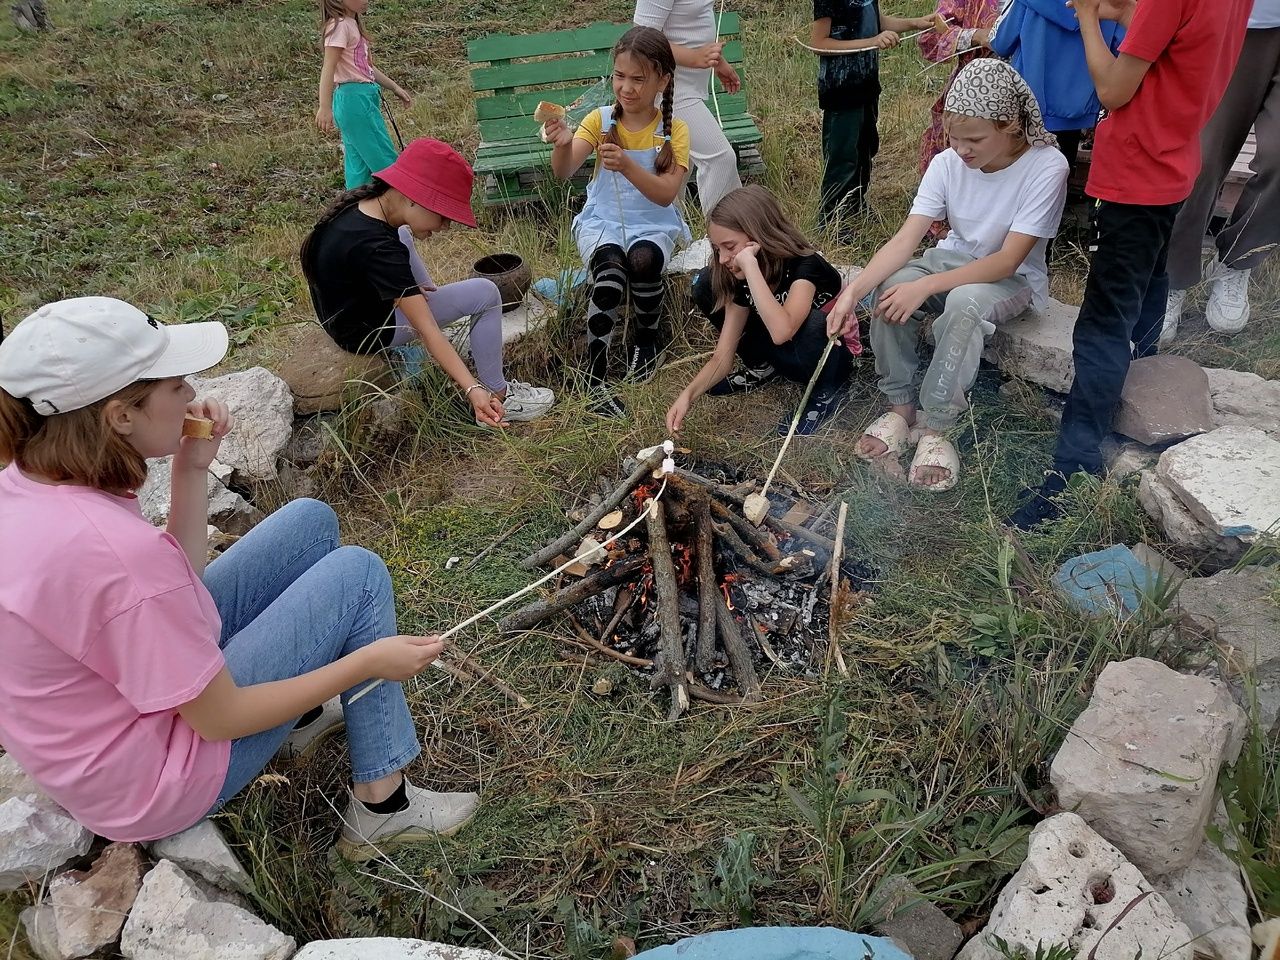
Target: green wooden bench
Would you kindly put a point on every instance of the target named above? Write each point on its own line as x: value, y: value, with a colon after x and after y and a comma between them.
x: 511, y: 73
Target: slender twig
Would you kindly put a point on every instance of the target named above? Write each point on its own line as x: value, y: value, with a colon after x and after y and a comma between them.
x: 833, y: 627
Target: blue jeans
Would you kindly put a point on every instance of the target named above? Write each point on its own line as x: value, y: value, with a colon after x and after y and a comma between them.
x: 293, y: 600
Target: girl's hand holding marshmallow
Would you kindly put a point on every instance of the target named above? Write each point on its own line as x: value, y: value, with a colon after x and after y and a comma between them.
x: 401, y: 657
x: 197, y: 454
x: 557, y: 132
x: 843, y: 318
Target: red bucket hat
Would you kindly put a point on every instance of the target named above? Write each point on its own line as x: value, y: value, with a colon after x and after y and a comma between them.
x: 434, y: 175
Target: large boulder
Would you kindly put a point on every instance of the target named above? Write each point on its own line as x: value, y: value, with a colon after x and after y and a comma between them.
x: 1141, y: 763
x: 1073, y: 889
x: 1236, y: 611
x: 202, y: 850
x: 1209, y: 898
x: 228, y: 511
x: 36, y: 835
x: 389, y: 948
x: 262, y: 407
x: 85, y: 910
x: 1165, y: 399
x: 1037, y: 346
x: 172, y: 918
x: 1244, y: 400
x: 1182, y: 528
x: 1228, y: 478
x: 321, y: 375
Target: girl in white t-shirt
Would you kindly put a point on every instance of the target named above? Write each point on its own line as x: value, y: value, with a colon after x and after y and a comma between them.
x: 1001, y: 186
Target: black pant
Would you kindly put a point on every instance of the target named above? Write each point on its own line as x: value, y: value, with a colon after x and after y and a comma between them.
x: 849, y: 143
x: 797, y: 358
x: 1124, y: 304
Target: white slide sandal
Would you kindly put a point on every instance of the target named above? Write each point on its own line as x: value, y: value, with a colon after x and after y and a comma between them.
x: 935, y: 451
x: 891, y: 430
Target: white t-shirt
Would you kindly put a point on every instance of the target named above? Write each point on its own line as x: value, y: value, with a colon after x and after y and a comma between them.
x: 1265, y: 15
x: 984, y: 208
x: 690, y: 23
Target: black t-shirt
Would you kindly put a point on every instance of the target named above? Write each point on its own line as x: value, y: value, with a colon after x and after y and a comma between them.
x: 359, y: 269
x: 849, y: 80
x: 812, y: 267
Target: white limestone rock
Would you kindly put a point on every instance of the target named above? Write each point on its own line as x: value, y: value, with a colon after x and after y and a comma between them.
x: 36, y: 835
x: 202, y: 850
x: 1182, y: 528
x: 173, y: 918
x: 1244, y: 400
x: 1037, y: 346
x: 1071, y: 888
x: 1229, y: 479
x: 1236, y: 612
x: 85, y: 910
x: 524, y: 319
x: 692, y: 258
x: 1141, y: 763
x: 1209, y: 898
x: 228, y: 511
x: 389, y: 948
x: 262, y: 407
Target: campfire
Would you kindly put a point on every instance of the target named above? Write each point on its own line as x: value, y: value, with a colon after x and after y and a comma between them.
x: 696, y: 594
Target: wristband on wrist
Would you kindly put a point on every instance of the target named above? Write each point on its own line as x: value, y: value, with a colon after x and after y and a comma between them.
x: 474, y: 386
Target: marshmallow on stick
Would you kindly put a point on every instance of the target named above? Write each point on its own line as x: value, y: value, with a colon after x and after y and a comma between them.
x: 197, y: 427
x: 544, y: 111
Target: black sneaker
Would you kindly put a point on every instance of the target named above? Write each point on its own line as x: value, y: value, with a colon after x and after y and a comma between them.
x: 644, y: 363
x: 603, y: 402
x: 1037, y: 505
x: 822, y: 404
x: 746, y: 379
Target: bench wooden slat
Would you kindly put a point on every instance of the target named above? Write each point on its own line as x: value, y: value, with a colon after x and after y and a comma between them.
x: 594, y: 37
x: 523, y: 127
x: 532, y: 73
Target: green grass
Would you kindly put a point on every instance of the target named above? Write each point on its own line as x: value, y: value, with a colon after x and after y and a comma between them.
x: 164, y: 151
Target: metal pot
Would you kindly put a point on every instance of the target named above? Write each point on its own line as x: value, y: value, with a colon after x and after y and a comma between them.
x: 509, y: 272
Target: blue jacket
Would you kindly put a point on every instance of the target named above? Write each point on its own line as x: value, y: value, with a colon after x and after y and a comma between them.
x: 1041, y: 38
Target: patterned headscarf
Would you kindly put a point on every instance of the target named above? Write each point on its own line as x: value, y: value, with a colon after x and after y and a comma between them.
x: 993, y: 90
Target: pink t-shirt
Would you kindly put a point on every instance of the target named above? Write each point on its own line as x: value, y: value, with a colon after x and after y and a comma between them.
x: 104, y: 630
x: 353, y: 64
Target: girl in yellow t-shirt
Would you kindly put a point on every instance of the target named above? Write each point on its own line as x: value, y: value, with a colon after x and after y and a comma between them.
x: 629, y: 226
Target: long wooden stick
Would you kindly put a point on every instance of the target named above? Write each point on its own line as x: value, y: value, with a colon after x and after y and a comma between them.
x: 795, y: 421
x: 708, y: 592
x: 833, y: 641
x: 958, y: 53
x: 671, y: 660
x: 833, y: 53
x: 559, y: 545
x: 777, y: 523
x: 744, y: 671
x: 539, y: 610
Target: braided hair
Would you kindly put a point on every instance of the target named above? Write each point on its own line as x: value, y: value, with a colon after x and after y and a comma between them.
x: 343, y: 202
x: 653, y: 47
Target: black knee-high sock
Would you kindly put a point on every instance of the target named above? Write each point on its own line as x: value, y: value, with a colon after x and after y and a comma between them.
x: 645, y: 261
x: 608, y: 289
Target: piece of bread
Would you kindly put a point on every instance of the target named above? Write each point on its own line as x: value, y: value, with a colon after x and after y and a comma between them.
x: 546, y: 110
x: 197, y: 427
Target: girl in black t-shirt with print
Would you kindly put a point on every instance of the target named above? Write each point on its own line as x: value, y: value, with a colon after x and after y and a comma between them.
x: 764, y: 291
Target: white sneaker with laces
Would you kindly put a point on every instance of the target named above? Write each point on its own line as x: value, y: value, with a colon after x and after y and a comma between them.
x: 1228, y: 309
x: 1172, y: 314
x: 526, y: 402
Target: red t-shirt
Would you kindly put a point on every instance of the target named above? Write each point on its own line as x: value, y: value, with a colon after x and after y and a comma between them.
x: 1148, y: 151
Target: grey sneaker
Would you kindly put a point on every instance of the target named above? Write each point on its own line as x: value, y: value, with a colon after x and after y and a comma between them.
x: 526, y: 402
x: 302, y: 741
x: 367, y: 835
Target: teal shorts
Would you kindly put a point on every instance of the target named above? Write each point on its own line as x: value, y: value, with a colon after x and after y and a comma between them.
x: 357, y: 111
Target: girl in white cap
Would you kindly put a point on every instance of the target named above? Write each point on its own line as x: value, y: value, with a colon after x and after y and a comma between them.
x: 141, y: 690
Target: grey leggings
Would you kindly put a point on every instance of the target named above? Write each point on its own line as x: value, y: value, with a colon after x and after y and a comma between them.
x: 476, y: 298
x: 965, y: 316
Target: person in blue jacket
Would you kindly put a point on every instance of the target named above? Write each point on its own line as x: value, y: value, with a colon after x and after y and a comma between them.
x: 1041, y: 39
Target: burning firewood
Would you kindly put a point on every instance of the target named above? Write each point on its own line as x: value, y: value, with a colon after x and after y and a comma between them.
x: 669, y: 664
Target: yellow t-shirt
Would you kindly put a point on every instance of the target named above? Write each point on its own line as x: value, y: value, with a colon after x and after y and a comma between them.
x: 646, y: 139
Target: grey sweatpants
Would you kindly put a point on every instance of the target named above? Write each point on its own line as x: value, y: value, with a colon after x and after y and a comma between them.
x: 1252, y: 99
x: 965, y: 316
x: 710, y: 152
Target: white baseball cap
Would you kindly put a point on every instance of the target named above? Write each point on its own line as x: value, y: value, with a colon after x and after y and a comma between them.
x: 75, y: 352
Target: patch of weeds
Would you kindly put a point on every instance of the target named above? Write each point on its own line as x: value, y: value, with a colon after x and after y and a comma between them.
x: 1043, y: 951
x: 583, y: 937
x: 1251, y: 794
x: 734, y: 881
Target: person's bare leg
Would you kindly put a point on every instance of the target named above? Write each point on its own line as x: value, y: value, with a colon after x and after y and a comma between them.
x: 375, y: 791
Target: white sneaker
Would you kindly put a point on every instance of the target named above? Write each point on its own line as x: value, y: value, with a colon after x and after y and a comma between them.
x: 1172, y: 314
x: 302, y: 741
x: 429, y: 815
x: 526, y: 402
x: 1228, y: 309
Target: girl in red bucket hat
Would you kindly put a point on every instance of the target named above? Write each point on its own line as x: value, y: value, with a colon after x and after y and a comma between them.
x: 371, y: 291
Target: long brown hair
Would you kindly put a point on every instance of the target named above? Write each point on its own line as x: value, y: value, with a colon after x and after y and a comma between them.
x: 344, y: 200
x: 754, y: 211
x: 74, y: 447
x: 331, y: 11
x: 653, y: 47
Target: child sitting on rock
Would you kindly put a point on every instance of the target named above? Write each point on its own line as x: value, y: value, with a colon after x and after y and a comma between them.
x: 764, y: 292
x: 1001, y: 186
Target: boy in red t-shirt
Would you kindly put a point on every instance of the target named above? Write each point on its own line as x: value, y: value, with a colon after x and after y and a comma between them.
x: 1173, y: 67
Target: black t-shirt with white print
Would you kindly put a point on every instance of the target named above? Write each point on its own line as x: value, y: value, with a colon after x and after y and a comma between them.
x: 812, y: 267
x: 360, y: 269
